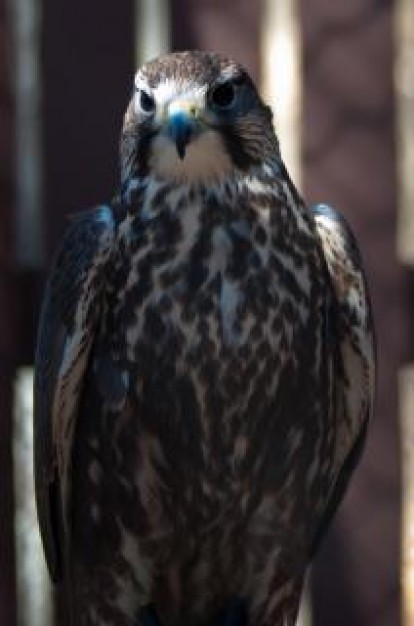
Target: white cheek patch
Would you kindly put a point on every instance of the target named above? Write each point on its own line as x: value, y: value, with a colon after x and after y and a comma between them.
x: 206, y: 159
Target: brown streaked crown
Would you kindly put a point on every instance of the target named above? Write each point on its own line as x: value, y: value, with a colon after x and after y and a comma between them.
x: 200, y: 67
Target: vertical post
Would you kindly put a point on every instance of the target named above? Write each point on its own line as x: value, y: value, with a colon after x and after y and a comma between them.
x: 32, y: 586
x: 152, y: 29
x: 34, y: 594
x: 7, y: 316
x: 281, y: 59
x: 7, y: 564
x: 282, y: 77
x: 404, y: 85
x: 26, y: 18
x: 407, y: 430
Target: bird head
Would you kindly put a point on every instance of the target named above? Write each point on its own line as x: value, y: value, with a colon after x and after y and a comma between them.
x: 195, y: 117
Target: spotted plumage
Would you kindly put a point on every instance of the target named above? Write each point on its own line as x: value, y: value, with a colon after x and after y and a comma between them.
x: 204, y: 370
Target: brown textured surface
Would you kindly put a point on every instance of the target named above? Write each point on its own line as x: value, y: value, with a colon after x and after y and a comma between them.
x: 349, y: 161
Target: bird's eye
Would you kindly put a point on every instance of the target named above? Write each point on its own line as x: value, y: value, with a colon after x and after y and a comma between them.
x: 223, y: 95
x: 146, y: 101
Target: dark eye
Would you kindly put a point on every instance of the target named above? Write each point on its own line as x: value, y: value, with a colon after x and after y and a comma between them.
x: 146, y: 101
x: 223, y: 95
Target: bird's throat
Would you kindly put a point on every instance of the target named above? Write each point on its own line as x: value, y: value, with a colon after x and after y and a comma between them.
x: 204, y: 159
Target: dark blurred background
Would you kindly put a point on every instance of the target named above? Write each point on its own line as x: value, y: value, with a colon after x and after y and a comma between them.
x: 66, y: 71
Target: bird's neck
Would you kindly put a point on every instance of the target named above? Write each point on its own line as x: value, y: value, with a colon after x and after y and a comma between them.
x: 270, y: 173
x: 262, y: 190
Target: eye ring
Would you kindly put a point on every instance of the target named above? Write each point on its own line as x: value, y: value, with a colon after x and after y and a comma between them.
x: 146, y: 101
x: 223, y: 95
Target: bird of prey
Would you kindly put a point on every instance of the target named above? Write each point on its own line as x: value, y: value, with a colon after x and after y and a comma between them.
x: 204, y: 368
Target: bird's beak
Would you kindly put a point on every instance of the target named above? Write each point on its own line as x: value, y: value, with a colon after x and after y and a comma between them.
x: 181, y: 124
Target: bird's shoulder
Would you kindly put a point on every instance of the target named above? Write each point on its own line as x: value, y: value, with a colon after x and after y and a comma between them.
x: 350, y: 333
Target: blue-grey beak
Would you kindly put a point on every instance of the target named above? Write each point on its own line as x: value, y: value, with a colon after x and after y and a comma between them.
x: 181, y: 128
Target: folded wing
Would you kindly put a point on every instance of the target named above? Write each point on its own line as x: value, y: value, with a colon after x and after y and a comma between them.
x: 69, y: 318
x: 350, y: 328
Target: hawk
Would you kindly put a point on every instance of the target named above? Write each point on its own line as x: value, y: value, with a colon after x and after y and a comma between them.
x: 204, y: 368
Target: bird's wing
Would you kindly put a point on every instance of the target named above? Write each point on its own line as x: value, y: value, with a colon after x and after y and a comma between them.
x: 69, y: 316
x: 350, y: 330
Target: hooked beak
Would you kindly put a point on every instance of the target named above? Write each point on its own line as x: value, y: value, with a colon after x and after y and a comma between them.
x: 181, y: 125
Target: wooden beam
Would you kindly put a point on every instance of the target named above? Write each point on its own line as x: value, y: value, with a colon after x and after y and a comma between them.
x: 28, y: 227
x: 152, y: 29
x: 404, y: 86
x: 281, y: 87
x: 34, y: 592
x: 281, y: 58
x: 406, y: 395
x: 7, y: 317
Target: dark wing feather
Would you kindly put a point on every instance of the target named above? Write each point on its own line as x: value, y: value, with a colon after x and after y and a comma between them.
x: 350, y: 329
x: 68, y: 318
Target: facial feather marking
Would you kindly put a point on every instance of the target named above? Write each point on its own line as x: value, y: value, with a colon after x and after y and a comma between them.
x: 238, y: 134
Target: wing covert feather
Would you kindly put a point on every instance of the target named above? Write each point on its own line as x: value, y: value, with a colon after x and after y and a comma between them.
x: 354, y: 364
x: 69, y: 314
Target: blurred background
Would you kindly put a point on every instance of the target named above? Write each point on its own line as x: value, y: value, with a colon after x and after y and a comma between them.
x: 340, y: 78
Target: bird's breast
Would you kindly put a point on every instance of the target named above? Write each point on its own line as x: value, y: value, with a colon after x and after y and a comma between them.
x: 207, y: 315
x: 202, y: 396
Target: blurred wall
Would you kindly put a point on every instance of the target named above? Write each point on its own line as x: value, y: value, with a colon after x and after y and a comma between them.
x: 350, y: 161
x: 88, y: 65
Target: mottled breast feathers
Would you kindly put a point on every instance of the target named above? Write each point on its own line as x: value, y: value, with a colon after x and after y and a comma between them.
x: 72, y: 310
